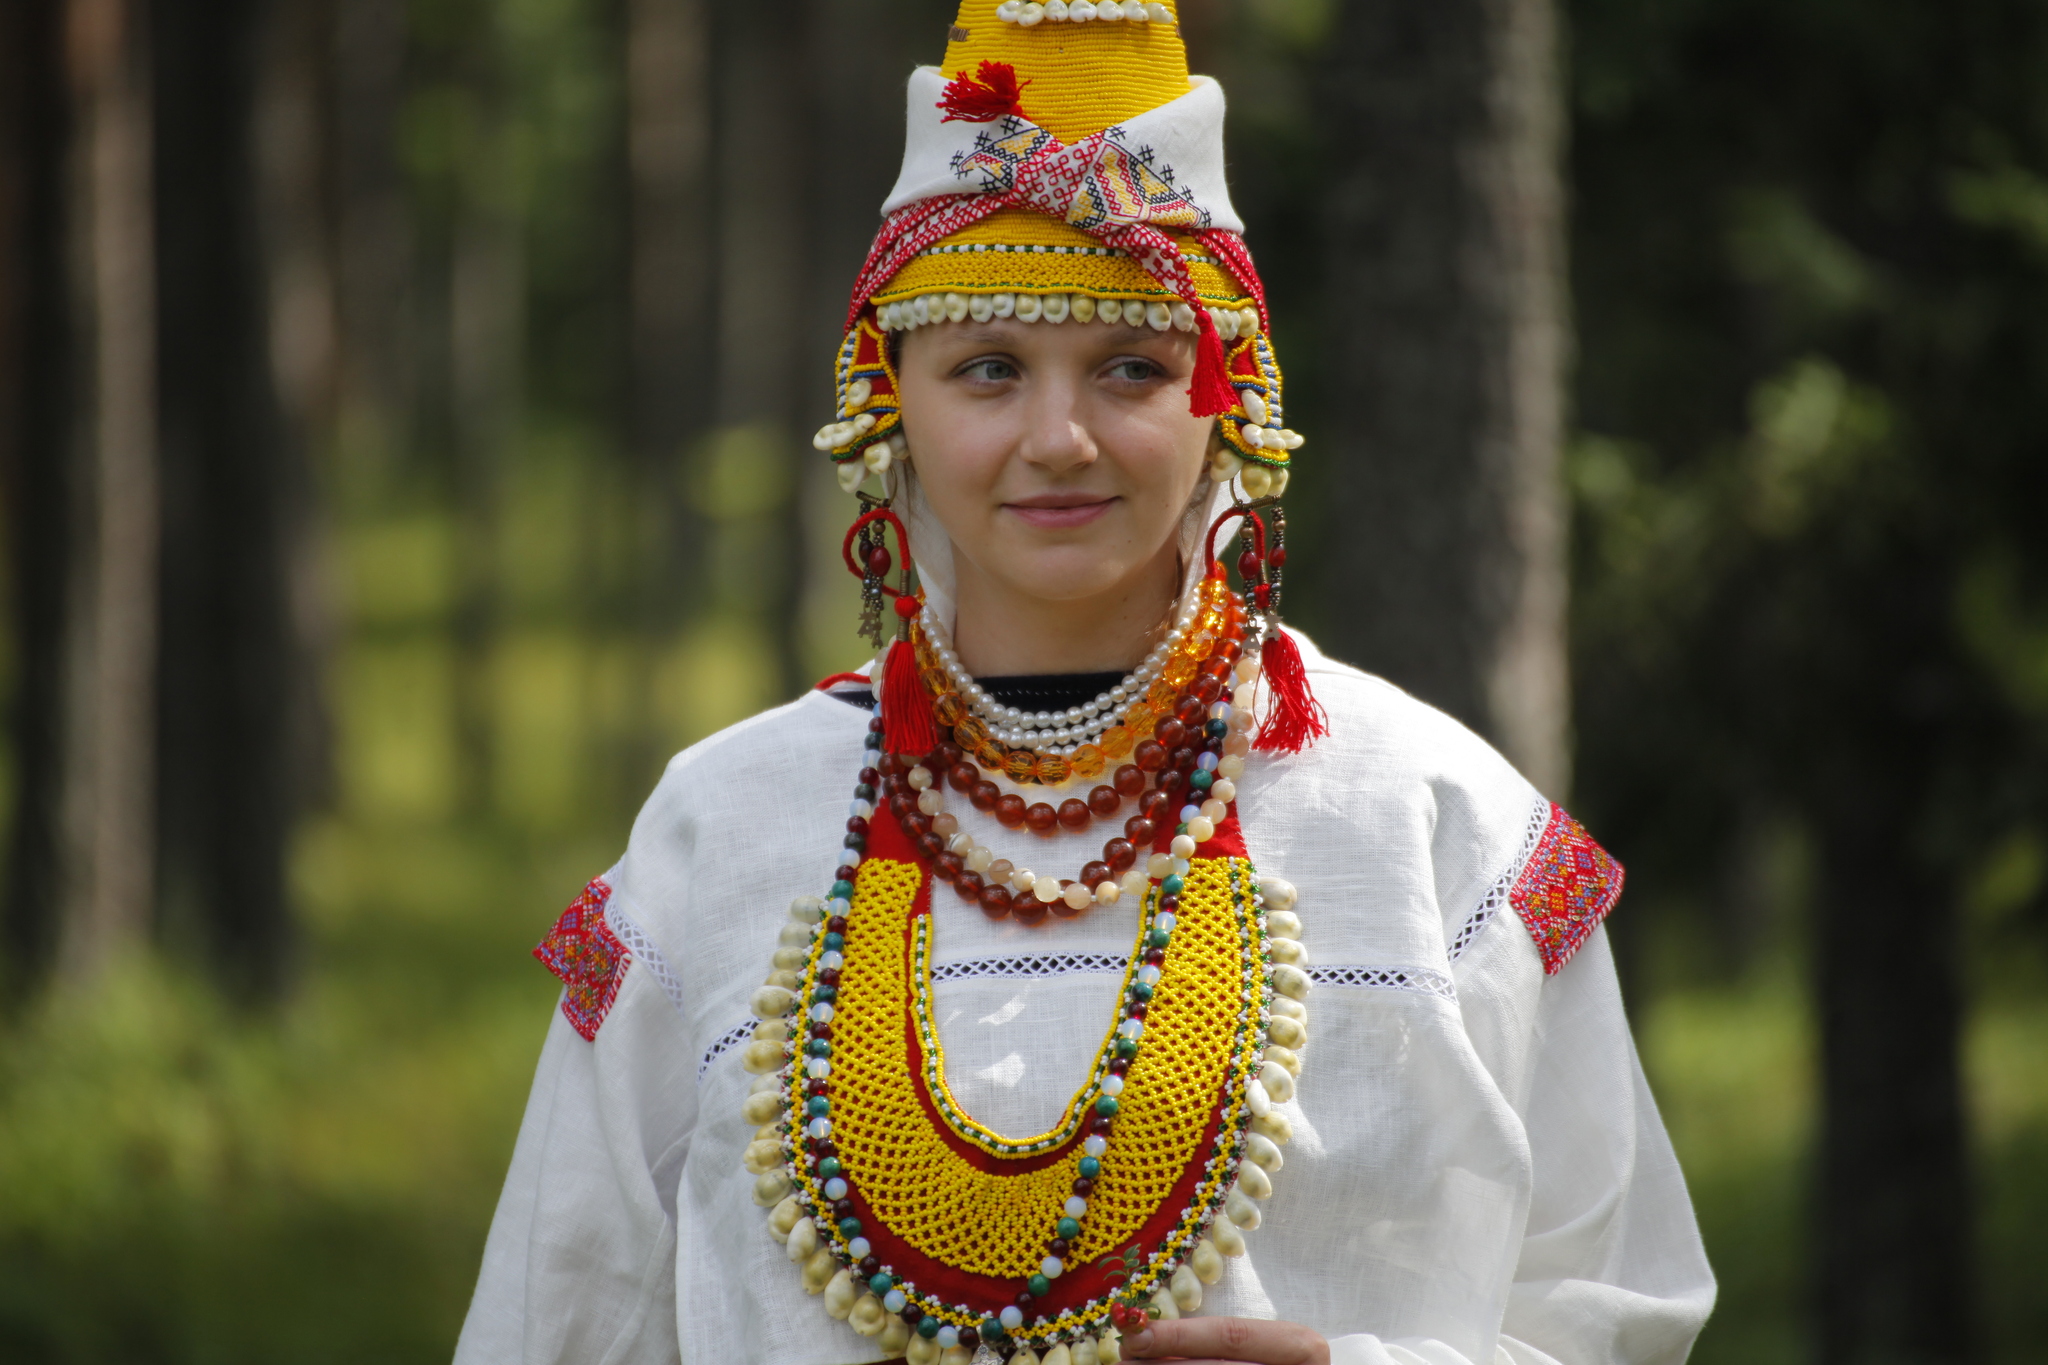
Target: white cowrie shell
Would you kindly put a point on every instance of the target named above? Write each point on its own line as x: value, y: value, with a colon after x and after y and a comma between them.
x: 868, y: 1316
x: 1158, y: 13
x: 1109, y: 1347
x: 1286, y: 1032
x: 1290, y: 981
x: 1254, y: 1181
x: 802, y: 1240
x: 1060, y: 1354
x: 771, y: 1188
x: 1279, y: 1084
x: 1277, y: 894
x: 771, y: 1002
x: 1109, y: 11
x: 1137, y: 13
x: 1056, y: 11
x: 1257, y: 479
x: 1084, y: 1349
x: 858, y: 393
x: 1158, y: 316
x: 1029, y: 306
x: 1284, y: 1055
x: 1242, y: 1211
x: 921, y: 310
x: 1262, y: 1150
x: 1292, y: 1009
x: 850, y: 475
x: 1183, y: 317
x: 1080, y: 12
x: 1283, y: 924
x: 1280, y: 477
x: 1227, y: 1238
x: 819, y: 1270
x: 1031, y: 14
x: 1007, y: 11
x: 1206, y: 1261
x: 1276, y: 1126
x: 1055, y: 307
x: 956, y: 307
x: 840, y: 1294
x: 762, y: 1156
x: 877, y: 457
x: 1186, y: 1289
x: 895, y: 1336
x: 978, y: 307
x: 1289, y: 951
x: 921, y: 1351
x: 1254, y: 405
x: 1256, y: 1098
x: 1163, y: 1307
x: 1002, y: 305
x: 1082, y: 307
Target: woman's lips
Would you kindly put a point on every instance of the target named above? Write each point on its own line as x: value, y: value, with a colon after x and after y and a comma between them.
x: 1058, y: 511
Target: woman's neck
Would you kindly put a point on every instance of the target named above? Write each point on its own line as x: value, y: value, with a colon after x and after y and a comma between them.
x: 1003, y: 632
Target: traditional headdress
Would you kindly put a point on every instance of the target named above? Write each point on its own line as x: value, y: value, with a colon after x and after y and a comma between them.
x: 1070, y: 171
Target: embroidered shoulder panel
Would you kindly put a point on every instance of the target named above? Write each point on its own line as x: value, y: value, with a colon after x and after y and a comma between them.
x: 1566, y: 887
x: 589, y: 958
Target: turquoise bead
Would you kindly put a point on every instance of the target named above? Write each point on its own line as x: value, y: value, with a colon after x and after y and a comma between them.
x: 1105, y: 1105
x: 1090, y: 1167
x: 1200, y: 780
x: 842, y: 890
x: 882, y: 1283
x: 1159, y: 938
x: 834, y: 942
x: 1172, y: 886
x: 824, y: 995
x: 829, y: 1167
x: 1141, y: 991
x: 1039, y: 1286
x: 818, y: 1106
x: 1068, y: 1228
x: 849, y: 1228
x: 818, y: 1047
x: 1127, y: 1048
x: 928, y: 1327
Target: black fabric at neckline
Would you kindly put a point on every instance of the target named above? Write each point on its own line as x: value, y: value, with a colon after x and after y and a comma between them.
x: 1026, y: 691
x: 1049, y: 691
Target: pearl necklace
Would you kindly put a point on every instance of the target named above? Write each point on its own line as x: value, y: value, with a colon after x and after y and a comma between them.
x: 1060, y: 732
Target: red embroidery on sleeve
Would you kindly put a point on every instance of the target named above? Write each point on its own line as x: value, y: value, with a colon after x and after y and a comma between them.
x: 583, y: 951
x: 1565, y: 889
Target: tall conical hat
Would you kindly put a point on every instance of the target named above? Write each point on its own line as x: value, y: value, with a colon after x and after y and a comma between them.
x: 1069, y: 171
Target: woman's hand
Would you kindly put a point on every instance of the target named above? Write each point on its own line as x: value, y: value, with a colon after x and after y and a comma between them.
x: 1217, y: 1341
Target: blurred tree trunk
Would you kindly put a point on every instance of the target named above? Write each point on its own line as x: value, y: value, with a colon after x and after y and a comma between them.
x: 764, y: 99
x: 234, y: 671
x: 37, y: 390
x: 107, y: 768
x: 669, y: 316
x: 1447, y: 327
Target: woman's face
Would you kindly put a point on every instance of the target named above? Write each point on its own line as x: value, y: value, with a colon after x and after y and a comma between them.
x: 1059, y: 458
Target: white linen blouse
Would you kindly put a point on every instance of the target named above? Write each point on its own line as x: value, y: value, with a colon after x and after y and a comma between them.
x: 1478, y: 1172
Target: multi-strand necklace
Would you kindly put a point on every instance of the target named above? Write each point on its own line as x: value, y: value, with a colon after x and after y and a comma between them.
x: 950, y: 1243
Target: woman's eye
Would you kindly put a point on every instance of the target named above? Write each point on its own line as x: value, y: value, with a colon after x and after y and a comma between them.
x: 1133, y: 371
x: 988, y: 371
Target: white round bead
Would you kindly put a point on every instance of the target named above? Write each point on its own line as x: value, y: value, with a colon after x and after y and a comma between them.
x: 920, y: 777
x: 1108, y: 893
x: 1047, y: 889
x: 1078, y: 897
x: 1201, y: 830
x: 930, y: 801
x: 1183, y: 846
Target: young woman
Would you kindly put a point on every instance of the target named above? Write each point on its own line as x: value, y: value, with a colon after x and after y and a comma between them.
x: 1301, y: 1045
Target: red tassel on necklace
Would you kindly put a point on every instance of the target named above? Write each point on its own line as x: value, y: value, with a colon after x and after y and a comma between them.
x: 1297, y: 718
x: 996, y: 95
x: 1210, y: 393
x: 907, y: 725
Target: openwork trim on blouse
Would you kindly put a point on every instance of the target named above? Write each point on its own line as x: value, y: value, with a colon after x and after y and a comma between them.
x: 1561, y: 884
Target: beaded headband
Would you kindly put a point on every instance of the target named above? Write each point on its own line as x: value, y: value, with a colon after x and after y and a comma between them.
x: 1075, y: 177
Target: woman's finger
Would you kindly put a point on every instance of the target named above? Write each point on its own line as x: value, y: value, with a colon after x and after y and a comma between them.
x: 1252, y: 1340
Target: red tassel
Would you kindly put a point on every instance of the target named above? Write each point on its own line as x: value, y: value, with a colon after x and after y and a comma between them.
x: 994, y: 96
x: 1210, y: 393
x: 907, y: 726
x: 1297, y: 718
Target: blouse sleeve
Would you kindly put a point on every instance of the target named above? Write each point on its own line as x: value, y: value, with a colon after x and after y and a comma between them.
x: 1611, y: 1269
x: 580, y: 1262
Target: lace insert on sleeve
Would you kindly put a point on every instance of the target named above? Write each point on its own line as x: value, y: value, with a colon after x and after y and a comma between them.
x: 1497, y: 895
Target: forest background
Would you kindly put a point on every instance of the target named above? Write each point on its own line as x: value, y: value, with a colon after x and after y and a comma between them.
x: 404, y: 409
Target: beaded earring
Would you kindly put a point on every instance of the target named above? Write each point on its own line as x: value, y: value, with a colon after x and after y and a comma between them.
x: 1296, y: 719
